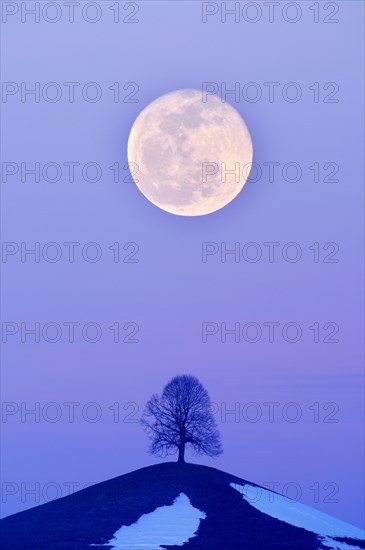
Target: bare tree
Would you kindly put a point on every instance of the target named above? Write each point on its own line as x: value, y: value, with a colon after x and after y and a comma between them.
x: 181, y: 416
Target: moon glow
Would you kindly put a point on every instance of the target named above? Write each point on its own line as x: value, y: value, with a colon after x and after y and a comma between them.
x: 191, y: 157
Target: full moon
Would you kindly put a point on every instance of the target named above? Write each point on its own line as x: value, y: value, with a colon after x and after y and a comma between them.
x: 189, y: 157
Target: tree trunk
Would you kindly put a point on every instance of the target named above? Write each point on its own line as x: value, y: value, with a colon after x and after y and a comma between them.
x: 181, y: 457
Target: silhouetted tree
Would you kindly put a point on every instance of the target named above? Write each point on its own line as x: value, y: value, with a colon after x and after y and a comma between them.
x: 181, y: 416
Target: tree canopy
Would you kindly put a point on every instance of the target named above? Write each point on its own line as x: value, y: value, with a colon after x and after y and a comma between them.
x: 181, y: 416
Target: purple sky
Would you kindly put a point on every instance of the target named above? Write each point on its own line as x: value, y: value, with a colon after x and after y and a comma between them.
x: 170, y: 291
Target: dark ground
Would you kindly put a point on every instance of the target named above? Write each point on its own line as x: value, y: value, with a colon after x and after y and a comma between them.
x: 94, y: 514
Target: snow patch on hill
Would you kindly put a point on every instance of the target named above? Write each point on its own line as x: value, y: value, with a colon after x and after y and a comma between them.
x: 300, y: 515
x: 168, y: 525
x: 336, y: 545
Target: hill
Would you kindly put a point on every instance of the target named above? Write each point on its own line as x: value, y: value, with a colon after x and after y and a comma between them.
x: 193, y: 506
